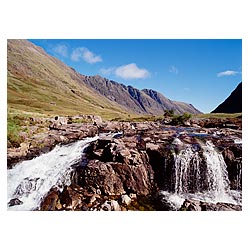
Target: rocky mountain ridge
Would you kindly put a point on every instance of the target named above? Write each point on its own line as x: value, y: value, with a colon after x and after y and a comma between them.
x: 40, y: 83
x: 146, y: 101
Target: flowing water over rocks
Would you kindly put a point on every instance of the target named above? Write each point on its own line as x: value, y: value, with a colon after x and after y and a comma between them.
x: 197, y: 173
x: 29, y: 181
x: 148, y: 166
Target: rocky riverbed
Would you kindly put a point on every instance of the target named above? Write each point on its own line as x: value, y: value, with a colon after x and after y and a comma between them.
x: 129, y: 171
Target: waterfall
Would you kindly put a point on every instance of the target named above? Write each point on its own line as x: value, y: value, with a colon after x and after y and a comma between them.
x: 187, y: 170
x: 29, y: 181
x: 217, y: 176
x: 198, y: 172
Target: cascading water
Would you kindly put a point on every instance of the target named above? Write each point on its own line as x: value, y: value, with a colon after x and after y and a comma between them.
x: 30, y: 181
x: 199, y: 174
x: 218, y: 182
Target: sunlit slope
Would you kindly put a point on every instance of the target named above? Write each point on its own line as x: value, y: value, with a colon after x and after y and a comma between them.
x: 40, y: 83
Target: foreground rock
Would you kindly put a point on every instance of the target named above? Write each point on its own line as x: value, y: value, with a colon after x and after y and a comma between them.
x: 191, y: 205
x: 126, y: 172
x: 76, y: 198
x: 118, y: 167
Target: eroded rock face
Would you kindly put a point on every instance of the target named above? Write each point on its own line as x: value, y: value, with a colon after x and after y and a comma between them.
x: 51, y: 201
x: 115, y: 168
x: 233, y: 159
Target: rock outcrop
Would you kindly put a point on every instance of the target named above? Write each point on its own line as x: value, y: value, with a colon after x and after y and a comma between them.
x: 146, y: 101
x: 126, y: 171
x: 118, y: 167
x: 192, y: 205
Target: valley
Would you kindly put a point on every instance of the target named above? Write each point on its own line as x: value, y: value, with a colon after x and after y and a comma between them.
x: 88, y: 143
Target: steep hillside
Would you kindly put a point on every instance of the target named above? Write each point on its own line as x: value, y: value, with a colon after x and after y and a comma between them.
x: 146, y: 101
x: 165, y: 103
x: 233, y: 104
x: 40, y: 83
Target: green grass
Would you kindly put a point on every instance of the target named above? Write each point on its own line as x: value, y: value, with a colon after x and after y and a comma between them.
x: 45, y: 85
x: 13, y: 130
x: 218, y: 115
x: 134, y: 118
x: 30, y: 98
x: 19, y: 121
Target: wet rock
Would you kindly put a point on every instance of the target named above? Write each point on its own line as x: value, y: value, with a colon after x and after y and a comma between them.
x: 114, y: 178
x: 191, y: 205
x: 76, y: 198
x: 233, y: 158
x: 157, y: 160
x: 26, y: 186
x: 118, y: 168
x: 115, y: 205
x: 102, y: 176
x: 220, y: 207
x: 65, y: 197
x: 51, y: 202
x: 125, y: 200
x: 141, y: 144
x: 106, y: 206
x: 14, y: 202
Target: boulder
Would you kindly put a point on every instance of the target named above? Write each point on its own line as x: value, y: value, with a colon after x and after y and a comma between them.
x: 220, y: 207
x: 102, y: 176
x: 115, y: 205
x: 125, y: 200
x: 106, y: 206
x: 14, y: 202
x: 193, y: 205
x: 116, y: 178
x: 51, y: 202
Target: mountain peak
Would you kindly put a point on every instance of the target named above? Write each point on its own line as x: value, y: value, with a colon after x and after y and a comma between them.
x: 233, y: 104
x: 146, y: 101
x: 43, y: 83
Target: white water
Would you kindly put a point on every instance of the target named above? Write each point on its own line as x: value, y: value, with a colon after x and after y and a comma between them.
x: 30, y: 181
x: 217, y: 173
x: 188, y: 168
x: 183, y: 160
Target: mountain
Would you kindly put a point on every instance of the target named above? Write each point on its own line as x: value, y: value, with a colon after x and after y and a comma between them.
x: 146, y: 101
x: 38, y: 82
x: 233, y: 104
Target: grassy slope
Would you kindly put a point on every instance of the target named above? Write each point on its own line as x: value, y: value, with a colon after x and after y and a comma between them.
x: 219, y: 115
x: 40, y: 83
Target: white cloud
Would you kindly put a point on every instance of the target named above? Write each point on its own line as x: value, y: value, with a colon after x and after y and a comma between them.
x: 227, y: 73
x: 173, y: 69
x: 107, y: 71
x: 61, y: 50
x: 131, y: 71
x: 86, y: 55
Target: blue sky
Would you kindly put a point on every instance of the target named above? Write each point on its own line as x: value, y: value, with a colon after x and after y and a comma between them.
x: 202, y: 71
